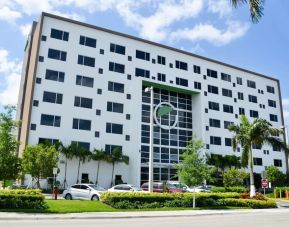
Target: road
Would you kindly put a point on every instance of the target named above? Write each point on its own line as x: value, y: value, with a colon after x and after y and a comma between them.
x: 260, y: 219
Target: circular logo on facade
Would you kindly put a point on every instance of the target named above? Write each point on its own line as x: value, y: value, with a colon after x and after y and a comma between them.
x: 166, y: 115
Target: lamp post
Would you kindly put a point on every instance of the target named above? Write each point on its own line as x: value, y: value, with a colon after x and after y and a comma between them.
x: 151, y: 150
x: 285, y: 128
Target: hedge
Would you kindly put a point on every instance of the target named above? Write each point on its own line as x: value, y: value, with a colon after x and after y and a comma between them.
x: 282, y: 189
x: 238, y: 189
x: 250, y: 203
x: 21, y: 199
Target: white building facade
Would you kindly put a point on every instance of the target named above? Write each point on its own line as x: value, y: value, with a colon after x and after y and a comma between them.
x: 86, y: 84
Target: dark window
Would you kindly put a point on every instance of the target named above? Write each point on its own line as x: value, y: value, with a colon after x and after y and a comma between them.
x: 154, y: 61
x: 114, y: 128
x: 54, y: 75
x: 227, y: 124
x: 97, y: 112
x: 115, y: 67
x: 212, y: 73
x: 96, y: 134
x: 252, y: 98
x: 43, y: 38
x: 128, y: 96
x: 83, y: 145
x: 142, y: 73
x: 142, y: 55
x: 257, y: 161
x: 161, y: 60
x: 273, y: 117
x: 226, y: 77
x: 270, y: 89
x: 100, y: 71
x: 227, y: 92
x: 129, y: 58
x: 117, y: 48
x: 101, y: 51
x: 116, y: 87
x: 241, y: 111
x: 47, y: 141
x: 228, y: 142
x: 181, y: 81
x: 278, y: 162
x: 58, y: 34
x: 215, y: 140
x: 83, y: 102
x: 251, y: 83
x: 114, y: 107
x: 50, y: 120
x: 35, y: 102
x: 162, y: 77
x: 84, y: 81
x: 171, y: 65
x: 181, y: 65
x: 87, y: 61
x: 33, y: 127
x: 52, y: 97
x: 86, y: 41
x: 276, y: 148
x: 214, y: 106
x: 197, y: 69
x: 99, y: 91
x: 57, y: 54
x: 240, y: 96
x: 239, y: 81
x: 127, y: 137
x: 213, y: 89
x: 41, y: 59
x: 227, y: 108
x: 254, y: 114
x: 215, y: 123
x: 38, y: 80
x: 272, y: 103
x: 109, y: 148
x: 197, y: 85
x: 257, y: 146
x: 81, y: 124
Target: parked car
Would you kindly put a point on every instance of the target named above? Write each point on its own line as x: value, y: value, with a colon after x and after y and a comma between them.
x: 162, y: 187
x: 186, y: 188
x: 83, y: 191
x: 124, y: 188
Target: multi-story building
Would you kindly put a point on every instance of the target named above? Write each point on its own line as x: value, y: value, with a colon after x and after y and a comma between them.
x: 86, y: 84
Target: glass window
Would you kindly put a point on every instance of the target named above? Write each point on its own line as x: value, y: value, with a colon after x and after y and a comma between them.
x: 181, y: 65
x: 142, y: 73
x: 252, y: 98
x: 214, y: 106
x: 117, y: 48
x: 254, y: 114
x: 84, y: 81
x: 116, y: 87
x: 215, y: 123
x: 87, y: 41
x: 215, y: 140
x: 278, y: 162
x: 270, y: 89
x: 197, y: 85
x: 162, y: 77
x: 182, y: 82
x: 81, y: 124
x: 58, y: 34
x: 227, y: 108
x: 273, y: 117
x: 227, y: 124
x: 213, y: 89
x: 239, y: 81
x: 161, y: 60
x: 50, y: 120
x: 57, y: 54
x: 52, y: 97
x: 226, y: 77
x: 212, y: 73
x: 87, y: 61
x: 251, y: 83
x: 257, y: 161
x: 114, y: 128
x: 115, y: 107
x: 240, y: 96
x: 272, y: 103
x: 197, y: 69
x: 115, y: 67
x: 54, y: 75
x: 142, y: 55
x: 83, y: 102
x: 227, y: 92
x: 228, y: 142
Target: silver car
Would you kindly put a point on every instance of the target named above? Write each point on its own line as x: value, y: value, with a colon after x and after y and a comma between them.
x: 83, y: 192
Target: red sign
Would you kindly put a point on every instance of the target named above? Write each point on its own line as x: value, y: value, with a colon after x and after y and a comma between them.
x: 264, y: 184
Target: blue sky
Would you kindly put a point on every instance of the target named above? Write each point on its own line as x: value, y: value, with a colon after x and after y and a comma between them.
x: 206, y: 27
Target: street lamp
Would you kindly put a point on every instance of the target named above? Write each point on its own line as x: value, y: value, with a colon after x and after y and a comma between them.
x: 151, y: 150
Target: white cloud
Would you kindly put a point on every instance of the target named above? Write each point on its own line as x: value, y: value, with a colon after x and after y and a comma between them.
x: 285, y: 102
x: 221, y: 7
x: 31, y: 7
x: 25, y: 29
x: 9, y: 15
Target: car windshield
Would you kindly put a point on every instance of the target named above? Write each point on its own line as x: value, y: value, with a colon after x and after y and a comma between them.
x: 96, y: 187
x: 136, y: 188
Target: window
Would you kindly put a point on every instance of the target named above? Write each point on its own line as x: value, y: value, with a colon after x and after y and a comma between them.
x: 97, y: 112
x: 197, y: 69
x: 101, y: 51
x: 227, y: 124
x: 52, y: 97
x: 254, y: 114
x: 87, y: 61
x: 142, y: 55
x: 35, y: 102
x: 276, y: 148
x: 127, y: 116
x: 228, y: 142
x: 241, y: 111
x: 181, y: 65
x: 215, y: 123
x: 109, y: 148
x: 117, y: 48
x: 54, y: 75
x: 226, y: 77
x: 41, y: 59
x: 127, y: 137
x: 257, y: 146
x: 86, y: 41
x: 252, y: 98
x: 43, y: 38
x: 83, y: 102
x: 161, y: 60
x: 212, y: 73
x: 251, y: 84
x: 83, y: 145
x: 58, y: 34
x: 84, y: 81
x: 114, y: 107
x: 240, y: 96
x: 197, y: 85
x: 116, y: 87
x: 57, y: 54
x: 162, y: 77
x: 96, y: 134
x: 47, y: 141
x: 257, y: 161
x: 227, y: 108
x: 215, y: 140
x: 227, y: 92
x: 33, y: 127
x: 278, y: 162
x: 81, y: 124
x: 114, y: 128
x: 273, y: 117
x: 214, y: 106
x: 239, y: 81
x: 270, y: 89
x: 272, y: 103
x: 142, y: 73
x: 181, y: 82
x: 115, y: 67
x: 213, y: 89
x: 38, y: 80
x: 50, y: 120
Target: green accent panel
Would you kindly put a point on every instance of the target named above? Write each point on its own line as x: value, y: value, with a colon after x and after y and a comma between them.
x: 170, y: 88
x: 164, y: 110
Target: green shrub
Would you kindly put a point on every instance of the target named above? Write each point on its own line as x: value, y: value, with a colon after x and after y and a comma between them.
x: 238, y: 189
x: 21, y: 199
x: 258, y: 196
x: 250, y: 203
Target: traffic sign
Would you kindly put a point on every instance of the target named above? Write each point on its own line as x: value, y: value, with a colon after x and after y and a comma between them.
x: 264, y: 183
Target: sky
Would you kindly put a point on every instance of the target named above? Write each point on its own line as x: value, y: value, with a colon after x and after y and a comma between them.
x: 211, y: 28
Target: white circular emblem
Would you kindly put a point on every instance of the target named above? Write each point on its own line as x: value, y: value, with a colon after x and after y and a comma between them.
x: 162, y: 109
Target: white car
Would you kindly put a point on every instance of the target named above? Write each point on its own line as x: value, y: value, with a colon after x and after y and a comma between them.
x: 202, y: 188
x: 83, y: 192
x: 124, y: 188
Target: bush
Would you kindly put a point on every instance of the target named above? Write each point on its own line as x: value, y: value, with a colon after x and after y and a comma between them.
x: 250, y: 203
x: 238, y: 189
x: 21, y: 199
x: 234, y: 177
x: 259, y: 196
x: 282, y: 189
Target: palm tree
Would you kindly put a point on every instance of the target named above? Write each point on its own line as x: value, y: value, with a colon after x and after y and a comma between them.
x: 256, y: 8
x: 98, y: 155
x: 116, y: 156
x: 259, y: 132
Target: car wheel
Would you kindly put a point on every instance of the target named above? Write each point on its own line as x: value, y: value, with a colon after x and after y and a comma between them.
x: 94, y: 197
x: 68, y: 197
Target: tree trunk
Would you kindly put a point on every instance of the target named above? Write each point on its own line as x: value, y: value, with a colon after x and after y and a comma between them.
x: 194, y: 198
x: 112, y: 174
x: 65, y: 172
x: 252, y: 184
x: 4, y: 183
x: 77, y: 181
x: 37, y: 183
x: 96, y: 181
